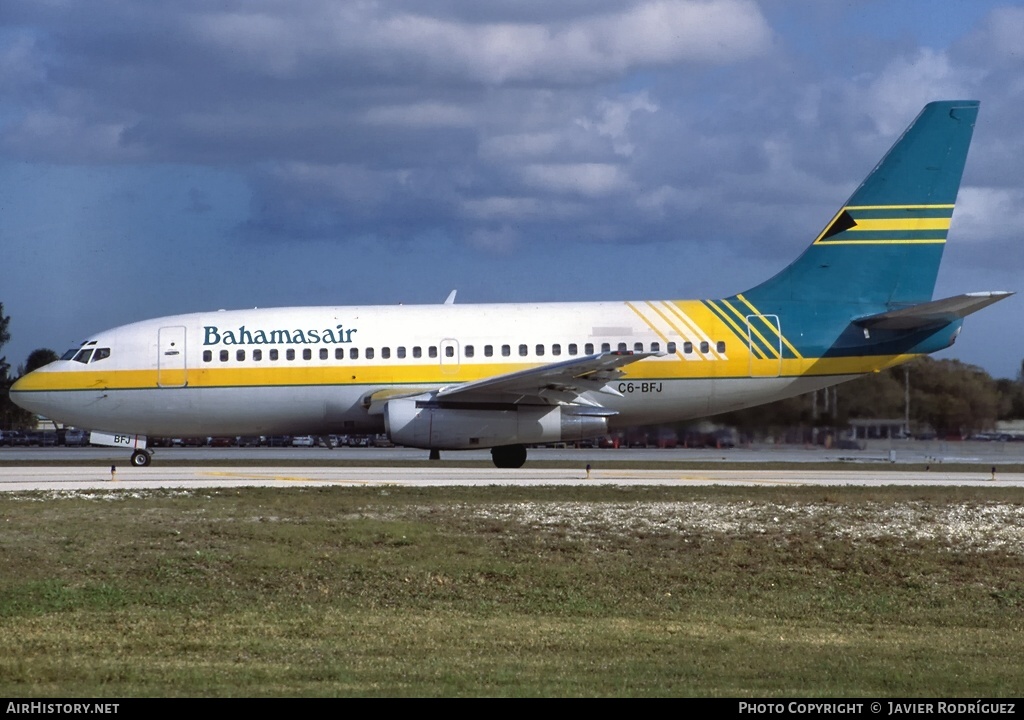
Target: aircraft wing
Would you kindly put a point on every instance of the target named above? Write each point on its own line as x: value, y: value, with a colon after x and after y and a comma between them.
x: 563, y: 381
x: 934, y: 313
x: 557, y: 382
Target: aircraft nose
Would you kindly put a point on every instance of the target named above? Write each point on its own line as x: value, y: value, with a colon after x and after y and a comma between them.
x: 21, y: 394
x: 18, y: 387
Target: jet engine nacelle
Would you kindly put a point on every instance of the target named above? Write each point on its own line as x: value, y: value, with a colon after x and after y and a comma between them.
x: 426, y: 424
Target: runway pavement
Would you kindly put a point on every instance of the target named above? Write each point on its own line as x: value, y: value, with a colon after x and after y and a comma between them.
x: 70, y: 478
x: 879, y: 464
x: 878, y: 451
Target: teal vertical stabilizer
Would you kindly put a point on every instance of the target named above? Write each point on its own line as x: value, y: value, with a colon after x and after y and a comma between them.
x: 882, y: 250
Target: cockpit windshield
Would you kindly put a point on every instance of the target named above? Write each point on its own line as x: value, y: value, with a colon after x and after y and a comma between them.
x: 86, y: 355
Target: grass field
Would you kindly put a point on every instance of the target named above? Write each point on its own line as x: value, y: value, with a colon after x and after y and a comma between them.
x: 513, y: 591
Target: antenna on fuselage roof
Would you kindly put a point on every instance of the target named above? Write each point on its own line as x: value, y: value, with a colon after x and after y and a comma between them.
x: 451, y: 298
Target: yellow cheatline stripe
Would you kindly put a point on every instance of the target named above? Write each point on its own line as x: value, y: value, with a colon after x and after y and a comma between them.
x: 266, y: 375
x: 690, y: 329
x: 741, y: 333
x: 873, y: 224
x: 680, y: 332
x: 664, y: 338
x: 757, y: 333
x: 777, y: 331
x: 897, y: 207
x: 111, y: 380
x: 695, y: 330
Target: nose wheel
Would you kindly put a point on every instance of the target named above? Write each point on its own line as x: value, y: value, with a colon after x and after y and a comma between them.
x: 141, y: 458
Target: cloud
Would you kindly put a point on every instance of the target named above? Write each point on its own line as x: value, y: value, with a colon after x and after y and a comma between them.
x: 986, y: 227
x: 998, y: 37
x: 535, y: 50
x: 589, y: 179
x: 908, y: 83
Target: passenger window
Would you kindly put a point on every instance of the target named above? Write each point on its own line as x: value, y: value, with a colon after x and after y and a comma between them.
x: 704, y: 347
x: 671, y: 347
x: 369, y: 353
x: 417, y: 351
x: 622, y: 347
x: 223, y: 355
x: 638, y: 347
x: 273, y: 354
x: 240, y: 355
x: 385, y: 353
x: 289, y: 354
x: 655, y: 347
x: 606, y: 347
x: 449, y: 351
x: 401, y: 351
x: 588, y: 349
x: 572, y: 349
x: 556, y: 349
x: 307, y: 354
x: 720, y: 346
x: 323, y: 353
x: 523, y: 351
x: 353, y: 353
x: 488, y: 350
x: 540, y: 350
x: 687, y: 347
x: 257, y: 355
x: 432, y: 351
x: 207, y: 355
x: 339, y: 353
x: 468, y: 351
x: 506, y: 350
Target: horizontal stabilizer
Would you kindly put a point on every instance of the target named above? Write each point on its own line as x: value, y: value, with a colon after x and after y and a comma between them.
x: 931, y: 314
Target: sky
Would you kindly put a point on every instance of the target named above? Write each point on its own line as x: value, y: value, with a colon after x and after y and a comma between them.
x: 162, y: 158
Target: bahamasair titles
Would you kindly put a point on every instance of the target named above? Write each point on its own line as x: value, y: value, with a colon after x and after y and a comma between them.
x: 504, y: 376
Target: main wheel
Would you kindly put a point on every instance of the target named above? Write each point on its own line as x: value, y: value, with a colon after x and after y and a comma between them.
x: 509, y: 456
x: 141, y: 459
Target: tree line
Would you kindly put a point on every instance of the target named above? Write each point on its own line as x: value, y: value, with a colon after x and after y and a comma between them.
x: 947, y: 397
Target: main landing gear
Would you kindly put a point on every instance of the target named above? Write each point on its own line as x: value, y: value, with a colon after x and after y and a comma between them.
x: 509, y: 456
x: 141, y: 458
x: 506, y: 456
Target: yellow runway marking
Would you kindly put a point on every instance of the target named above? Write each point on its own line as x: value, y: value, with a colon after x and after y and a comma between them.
x: 667, y: 475
x: 287, y: 478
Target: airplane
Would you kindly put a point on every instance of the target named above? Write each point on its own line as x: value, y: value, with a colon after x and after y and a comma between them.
x: 504, y: 376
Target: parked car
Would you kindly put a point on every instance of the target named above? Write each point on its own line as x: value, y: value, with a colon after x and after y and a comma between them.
x: 42, y: 438
x: 73, y: 437
x: 11, y: 438
x: 303, y: 441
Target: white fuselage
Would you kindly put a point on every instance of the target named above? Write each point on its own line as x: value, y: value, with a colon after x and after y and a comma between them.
x: 314, y: 370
